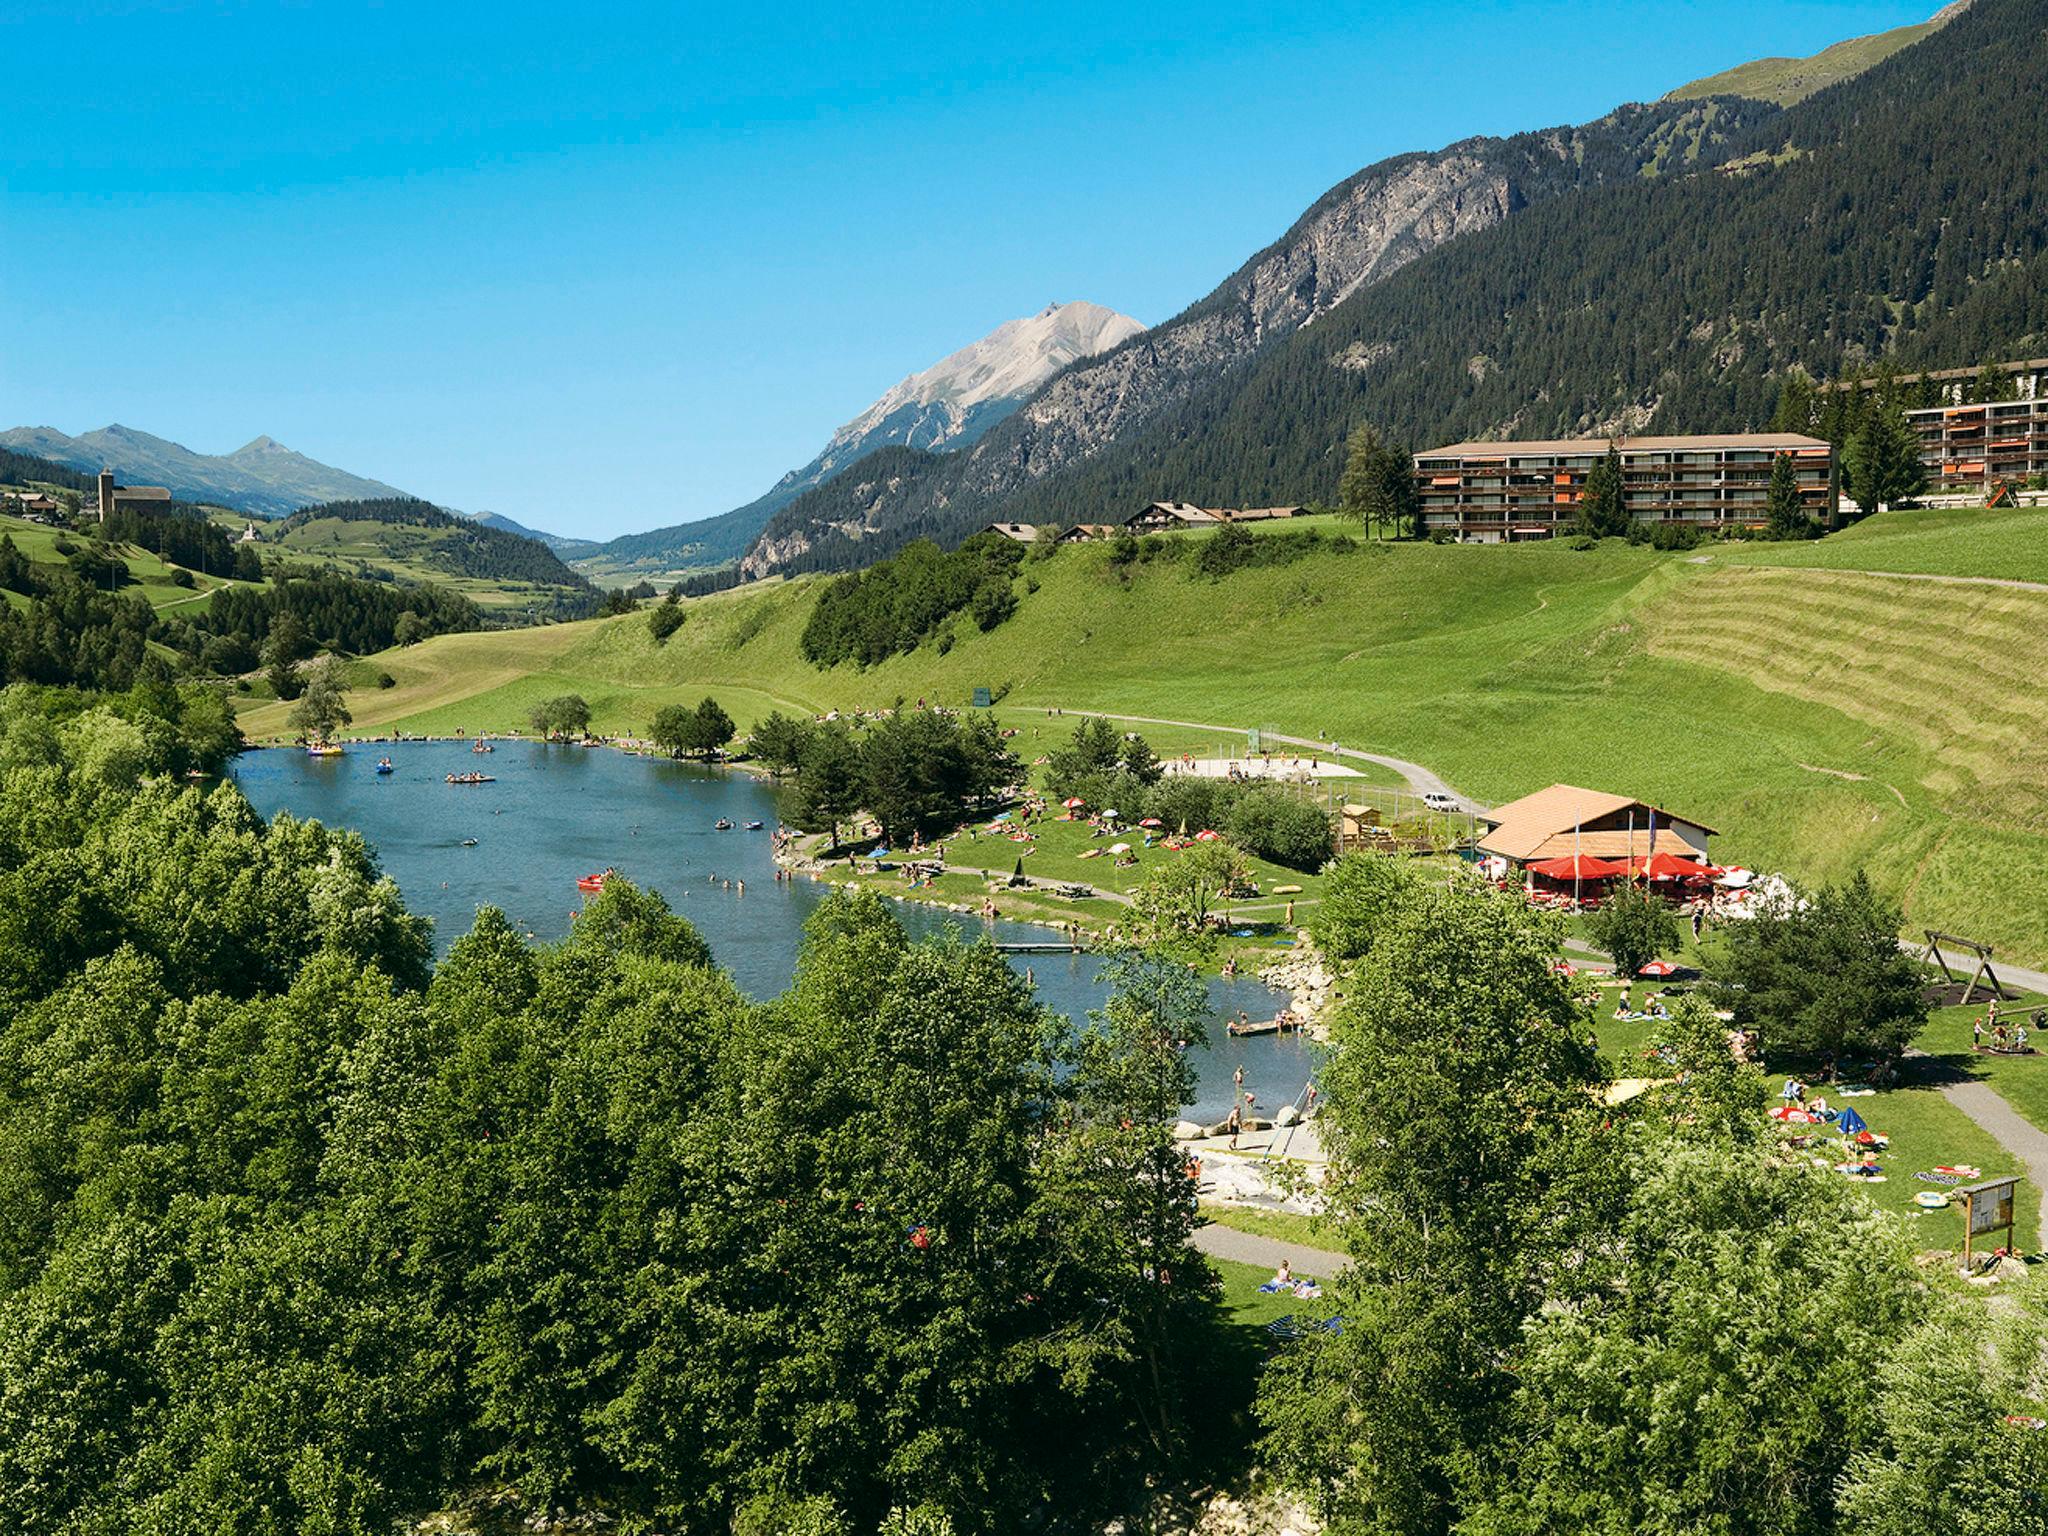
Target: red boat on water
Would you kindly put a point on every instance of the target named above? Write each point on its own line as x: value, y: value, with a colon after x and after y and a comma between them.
x: 592, y: 884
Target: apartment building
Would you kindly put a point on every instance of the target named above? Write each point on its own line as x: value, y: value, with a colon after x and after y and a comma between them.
x: 1501, y: 492
x: 1968, y: 447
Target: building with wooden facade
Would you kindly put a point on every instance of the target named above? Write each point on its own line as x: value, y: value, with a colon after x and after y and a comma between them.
x: 1500, y: 492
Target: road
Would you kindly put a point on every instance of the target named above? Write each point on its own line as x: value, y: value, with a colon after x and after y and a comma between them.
x: 1419, y: 779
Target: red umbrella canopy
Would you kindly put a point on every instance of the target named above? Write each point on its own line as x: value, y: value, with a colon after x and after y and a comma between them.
x: 1670, y: 866
x: 1658, y: 968
x: 1073, y: 801
x: 1579, y: 866
x: 1151, y: 821
x: 1207, y: 836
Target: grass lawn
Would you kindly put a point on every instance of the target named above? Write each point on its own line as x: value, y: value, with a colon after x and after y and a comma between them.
x: 1926, y: 1131
x: 1242, y: 1302
x: 1823, y: 719
x: 2022, y: 1081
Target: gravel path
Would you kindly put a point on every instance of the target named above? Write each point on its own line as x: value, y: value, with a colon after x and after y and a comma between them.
x: 1267, y: 1252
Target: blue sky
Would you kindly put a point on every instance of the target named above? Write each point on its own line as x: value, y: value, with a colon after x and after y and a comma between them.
x: 605, y: 267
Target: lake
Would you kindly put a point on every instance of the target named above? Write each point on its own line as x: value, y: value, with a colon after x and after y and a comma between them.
x: 559, y: 812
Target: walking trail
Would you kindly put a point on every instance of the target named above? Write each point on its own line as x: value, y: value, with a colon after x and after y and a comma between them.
x: 1267, y: 1252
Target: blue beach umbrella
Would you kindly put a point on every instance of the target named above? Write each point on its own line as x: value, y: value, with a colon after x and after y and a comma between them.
x: 1850, y: 1123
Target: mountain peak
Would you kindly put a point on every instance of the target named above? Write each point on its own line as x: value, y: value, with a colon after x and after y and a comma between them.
x: 256, y: 445
x: 966, y: 392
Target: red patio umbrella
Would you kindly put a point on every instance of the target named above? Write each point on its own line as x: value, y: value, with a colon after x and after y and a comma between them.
x: 1669, y: 866
x: 1658, y: 968
x: 1579, y: 866
x: 1072, y: 801
x: 1207, y: 836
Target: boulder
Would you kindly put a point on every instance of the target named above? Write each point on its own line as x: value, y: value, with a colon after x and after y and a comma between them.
x: 1288, y: 1115
x: 1187, y: 1130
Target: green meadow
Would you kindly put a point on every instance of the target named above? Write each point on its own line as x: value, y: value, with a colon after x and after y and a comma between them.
x: 154, y: 578
x: 1821, y: 718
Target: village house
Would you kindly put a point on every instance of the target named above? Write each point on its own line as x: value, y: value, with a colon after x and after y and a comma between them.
x: 1022, y: 533
x: 1168, y: 516
x: 1090, y: 533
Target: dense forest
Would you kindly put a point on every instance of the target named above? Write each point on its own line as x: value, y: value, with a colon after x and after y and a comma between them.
x: 183, y: 535
x: 895, y: 605
x: 1894, y: 217
x: 299, y: 1231
x: 70, y: 632
x: 25, y: 468
x: 340, y: 613
x: 464, y: 548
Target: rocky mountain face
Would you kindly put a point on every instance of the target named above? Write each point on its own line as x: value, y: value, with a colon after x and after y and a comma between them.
x: 946, y: 406
x: 262, y: 477
x: 1359, y: 233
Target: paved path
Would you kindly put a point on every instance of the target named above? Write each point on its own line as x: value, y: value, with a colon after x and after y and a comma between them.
x: 1267, y: 1252
x: 2018, y: 1135
x: 1419, y: 779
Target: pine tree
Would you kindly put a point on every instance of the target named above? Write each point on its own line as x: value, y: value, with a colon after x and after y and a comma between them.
x: 1882, y: 464
x: 1788, y: 519
x: 1797, y: 409
x: 1602, y: 510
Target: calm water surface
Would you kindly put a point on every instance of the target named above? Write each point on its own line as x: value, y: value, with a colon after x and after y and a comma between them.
x: 559, y: 812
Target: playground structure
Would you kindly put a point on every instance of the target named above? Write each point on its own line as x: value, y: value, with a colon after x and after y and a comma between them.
x: 1981, y: 975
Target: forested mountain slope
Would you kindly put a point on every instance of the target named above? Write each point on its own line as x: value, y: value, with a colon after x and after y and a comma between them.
x: 1359, y: 233
x: 1891, y: 217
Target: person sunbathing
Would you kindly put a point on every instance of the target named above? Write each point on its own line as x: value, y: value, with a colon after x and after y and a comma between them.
x: 1284, y: 1275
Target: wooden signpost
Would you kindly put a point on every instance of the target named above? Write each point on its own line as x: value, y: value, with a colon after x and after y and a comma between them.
x: 1987, y: 1207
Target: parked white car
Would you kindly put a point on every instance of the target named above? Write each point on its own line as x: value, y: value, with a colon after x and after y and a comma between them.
x: 1437, y: 800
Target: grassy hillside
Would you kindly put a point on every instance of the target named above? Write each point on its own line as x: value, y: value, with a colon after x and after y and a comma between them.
x: 154, y: 578
x: 2005, y: 546
x: 1823, y: 719
x: 1786, y: 81
x: 412, y: 542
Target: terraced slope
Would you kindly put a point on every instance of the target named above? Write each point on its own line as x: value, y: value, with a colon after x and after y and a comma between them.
x: 1948, y: 680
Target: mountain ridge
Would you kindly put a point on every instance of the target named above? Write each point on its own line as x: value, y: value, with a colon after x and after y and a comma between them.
x: 1363, y: 230
x: 262, y: 476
